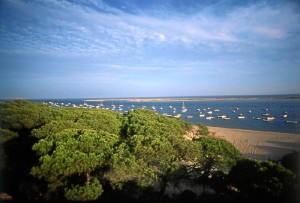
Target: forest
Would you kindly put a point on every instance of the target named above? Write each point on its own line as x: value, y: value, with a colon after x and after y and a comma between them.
x: 76, y: 154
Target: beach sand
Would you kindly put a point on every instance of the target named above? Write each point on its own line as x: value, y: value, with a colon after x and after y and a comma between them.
x: 260, y: 145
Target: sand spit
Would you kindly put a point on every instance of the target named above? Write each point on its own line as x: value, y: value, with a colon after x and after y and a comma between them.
x: 174, y: 99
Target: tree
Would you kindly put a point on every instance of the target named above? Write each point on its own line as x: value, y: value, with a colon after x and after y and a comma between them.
x: 263, y: 180
x: 291, y: 161
x: 68, y: 160
x: 152, y: 149
x: 23, y: 116
x: 217, y: 157
x: 218, y: 154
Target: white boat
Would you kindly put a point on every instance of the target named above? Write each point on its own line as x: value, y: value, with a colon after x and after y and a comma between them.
x: 217, y: 110
x: 222, y: 116
x: 269, y: 118
x: 189, y: 117
x: 202, y: 115
x: 266, y: 114
x: 241, y: 116
x: 183, y: 108
x: 292, y: 122
x: 153, y: 107
x: 209, y: 117
x: 209, y: 112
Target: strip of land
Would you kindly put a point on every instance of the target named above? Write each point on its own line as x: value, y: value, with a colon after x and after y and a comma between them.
x: 167, y: 99
x: 259, y: 145
x: 174, y: 99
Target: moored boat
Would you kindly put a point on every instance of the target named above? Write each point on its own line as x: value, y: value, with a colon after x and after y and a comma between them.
x: 183, y: 108
x: 292, y: 122
x: 269, y: 118
x: 284, y: 115
x: 227, y: 118
x: 241, y: 116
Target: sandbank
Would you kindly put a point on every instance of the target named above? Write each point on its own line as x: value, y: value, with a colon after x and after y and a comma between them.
x: 260, y: 145
x: 178, y: 99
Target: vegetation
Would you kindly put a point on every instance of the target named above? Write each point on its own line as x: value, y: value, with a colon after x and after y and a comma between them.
x: 262, y: 180
x: 203, y: 130
x: 96, y: 154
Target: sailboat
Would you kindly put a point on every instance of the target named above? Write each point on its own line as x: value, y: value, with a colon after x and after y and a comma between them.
x: 183, y: 108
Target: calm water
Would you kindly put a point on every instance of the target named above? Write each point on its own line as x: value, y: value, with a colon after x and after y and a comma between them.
x: 274, y: 107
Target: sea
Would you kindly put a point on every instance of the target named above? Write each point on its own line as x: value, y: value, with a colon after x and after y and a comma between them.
x: 255, y: 109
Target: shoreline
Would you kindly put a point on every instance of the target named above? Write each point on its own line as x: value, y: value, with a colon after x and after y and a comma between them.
x: 260, y: 145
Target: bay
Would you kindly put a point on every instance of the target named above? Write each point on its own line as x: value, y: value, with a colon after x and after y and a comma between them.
x: 250, y: 108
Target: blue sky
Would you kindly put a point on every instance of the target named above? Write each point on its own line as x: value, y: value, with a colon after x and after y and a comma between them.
x: 146, y: 48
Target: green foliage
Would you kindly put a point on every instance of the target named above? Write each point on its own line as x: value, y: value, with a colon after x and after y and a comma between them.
x: 101, y: 120
x: 72, y: 152
x: 146, y: 122
x: 262, y: 179
x: 150, y: 149
x: 50, y: 129
x: 21, y: 114
x: 124, y: 167
x: 87, y: 192
x: 218, y: 154
x: 6, y: 135
x: 203, y: 130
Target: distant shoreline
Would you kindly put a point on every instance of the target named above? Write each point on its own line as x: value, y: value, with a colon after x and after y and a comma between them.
x: 174, y: 99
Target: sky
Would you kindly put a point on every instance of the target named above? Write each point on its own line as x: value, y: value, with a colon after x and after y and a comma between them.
x: 148, y: 48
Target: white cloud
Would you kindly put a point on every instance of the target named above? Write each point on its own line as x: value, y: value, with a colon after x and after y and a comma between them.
x: 161, y: 37
x: 64, y: 28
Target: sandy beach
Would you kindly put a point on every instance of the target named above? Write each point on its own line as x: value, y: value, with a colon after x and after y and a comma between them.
x: 259, y: 145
